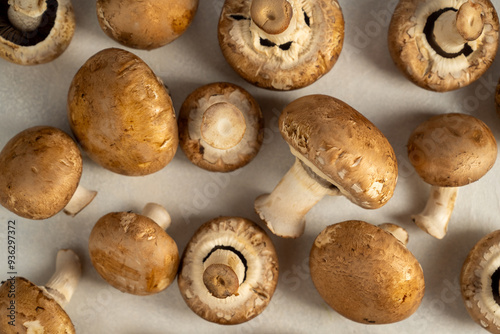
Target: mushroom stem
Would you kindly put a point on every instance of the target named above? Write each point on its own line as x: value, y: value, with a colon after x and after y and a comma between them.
x: 65, y: 279
x: 223, y: 273
x: 453, y: 29
x: 158, y: 214
x: 437, y: 212
x: 223, y: 125
x: 272, y: 16
x: 397, y: 231
x: 284, y: 208
x: 26, y: 15
x: 81, y: 198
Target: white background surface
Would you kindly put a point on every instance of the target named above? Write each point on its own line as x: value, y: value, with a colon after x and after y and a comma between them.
x: 364, y: 77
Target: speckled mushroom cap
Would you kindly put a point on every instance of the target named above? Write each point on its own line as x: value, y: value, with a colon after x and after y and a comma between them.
x: 122, y: 115
x: 479, y: 282
x: 261, y: 270
x: 419, y: 61
x: 452, y: 150
x: 341, y: 146
x: 299, y: 56
x: 191, y: 119
x: 40, y: 169
x: 50, y: 40
x: 366, y: 274
x: 133, y: 253
x: 145, y: 24
x: 35, y: 311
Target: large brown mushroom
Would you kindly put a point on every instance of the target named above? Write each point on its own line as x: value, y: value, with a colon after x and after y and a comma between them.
x: 122, y: 114
x: 281, y: 44
x: 365, y: 273
x: 40, y: 169
x: 338, y: 152
x: 443, y: 45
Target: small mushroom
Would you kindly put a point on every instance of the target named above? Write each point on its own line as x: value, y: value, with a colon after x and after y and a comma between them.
x: 443, y: 45
x: 27, y: 308
x: 33, y: 31
x: 40, y: 169
x: 122, y: 114
x: 339, y: 152
x: 449, y: 151
x: 133, y: 252
x: 479, y: 282
x: 281, y: 44
x: 221, y: 127
x: 366, y: 274
x: 146, y: 24
x: 229, y: 271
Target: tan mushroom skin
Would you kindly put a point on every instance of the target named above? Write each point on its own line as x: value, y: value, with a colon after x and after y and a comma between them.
x: 122, y: 115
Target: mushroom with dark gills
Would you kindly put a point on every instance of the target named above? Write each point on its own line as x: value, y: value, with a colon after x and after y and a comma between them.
x: 229, y: 271
x: 221, y: 127
x: 281, y: 44
x: 39, y: 309
x: 33, y: 31
x: 338, y: 152
x: 366, y: 273
x: 133, y: 252
x: 449, y: 151
x: 443, y: 45
x: 40, y: 170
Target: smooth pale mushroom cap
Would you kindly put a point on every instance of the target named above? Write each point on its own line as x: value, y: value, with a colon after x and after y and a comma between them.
x: 366, y: 274
x: 40, y: 169
x: 452, y: 150
x: 479, y: 282
x: 133, y: 254
x: 260, y: 279
x: 301, y: 54
x: 145, y: 24
x: 51, y: 38
x: 341, y: 146
x: 122, y: 115
x: 210, y: 124
x: 35, y: 311
x: 421, y: 63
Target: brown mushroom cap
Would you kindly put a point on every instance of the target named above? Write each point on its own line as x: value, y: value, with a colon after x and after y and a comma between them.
x: 50, y: 40
x: 200, y: 151
x: 479, y: 282
x: 121, y: 114
x: 421, y: 63
x: 145, y: 24
x: 366, y: 274
x: 306, y: 51
x: 133, y: 254
x: 342, y: 147
x: 261, y: 270
x: 452, y: 150
x: 34, y: 310
x: 40, y: 169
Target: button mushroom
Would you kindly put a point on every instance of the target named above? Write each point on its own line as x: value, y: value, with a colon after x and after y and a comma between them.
x: 35, y: 32
x: 27, y: 308
x: 229, y: 271
x: 366, y: 274
x: 133, y: 252
x: 281, y: 44
x: 479, y: 282
x: 40, y: 169
x: 221, y: 127
x: 449, y: 151
x: 338, y: 151
x: 121, y: 114
x: 146, y: 24
x: 443, y: 45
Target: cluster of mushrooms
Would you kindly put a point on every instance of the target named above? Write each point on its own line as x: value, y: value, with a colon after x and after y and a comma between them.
x: 121, y: 115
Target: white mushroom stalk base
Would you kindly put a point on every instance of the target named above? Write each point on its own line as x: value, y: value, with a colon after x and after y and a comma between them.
x: 26, y: 15
x: 158, y: 214
x: 81, y: 198
x: 62, y: 284
x: 223, y: 273
x: 437, y: 212
x: 285, y: 207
